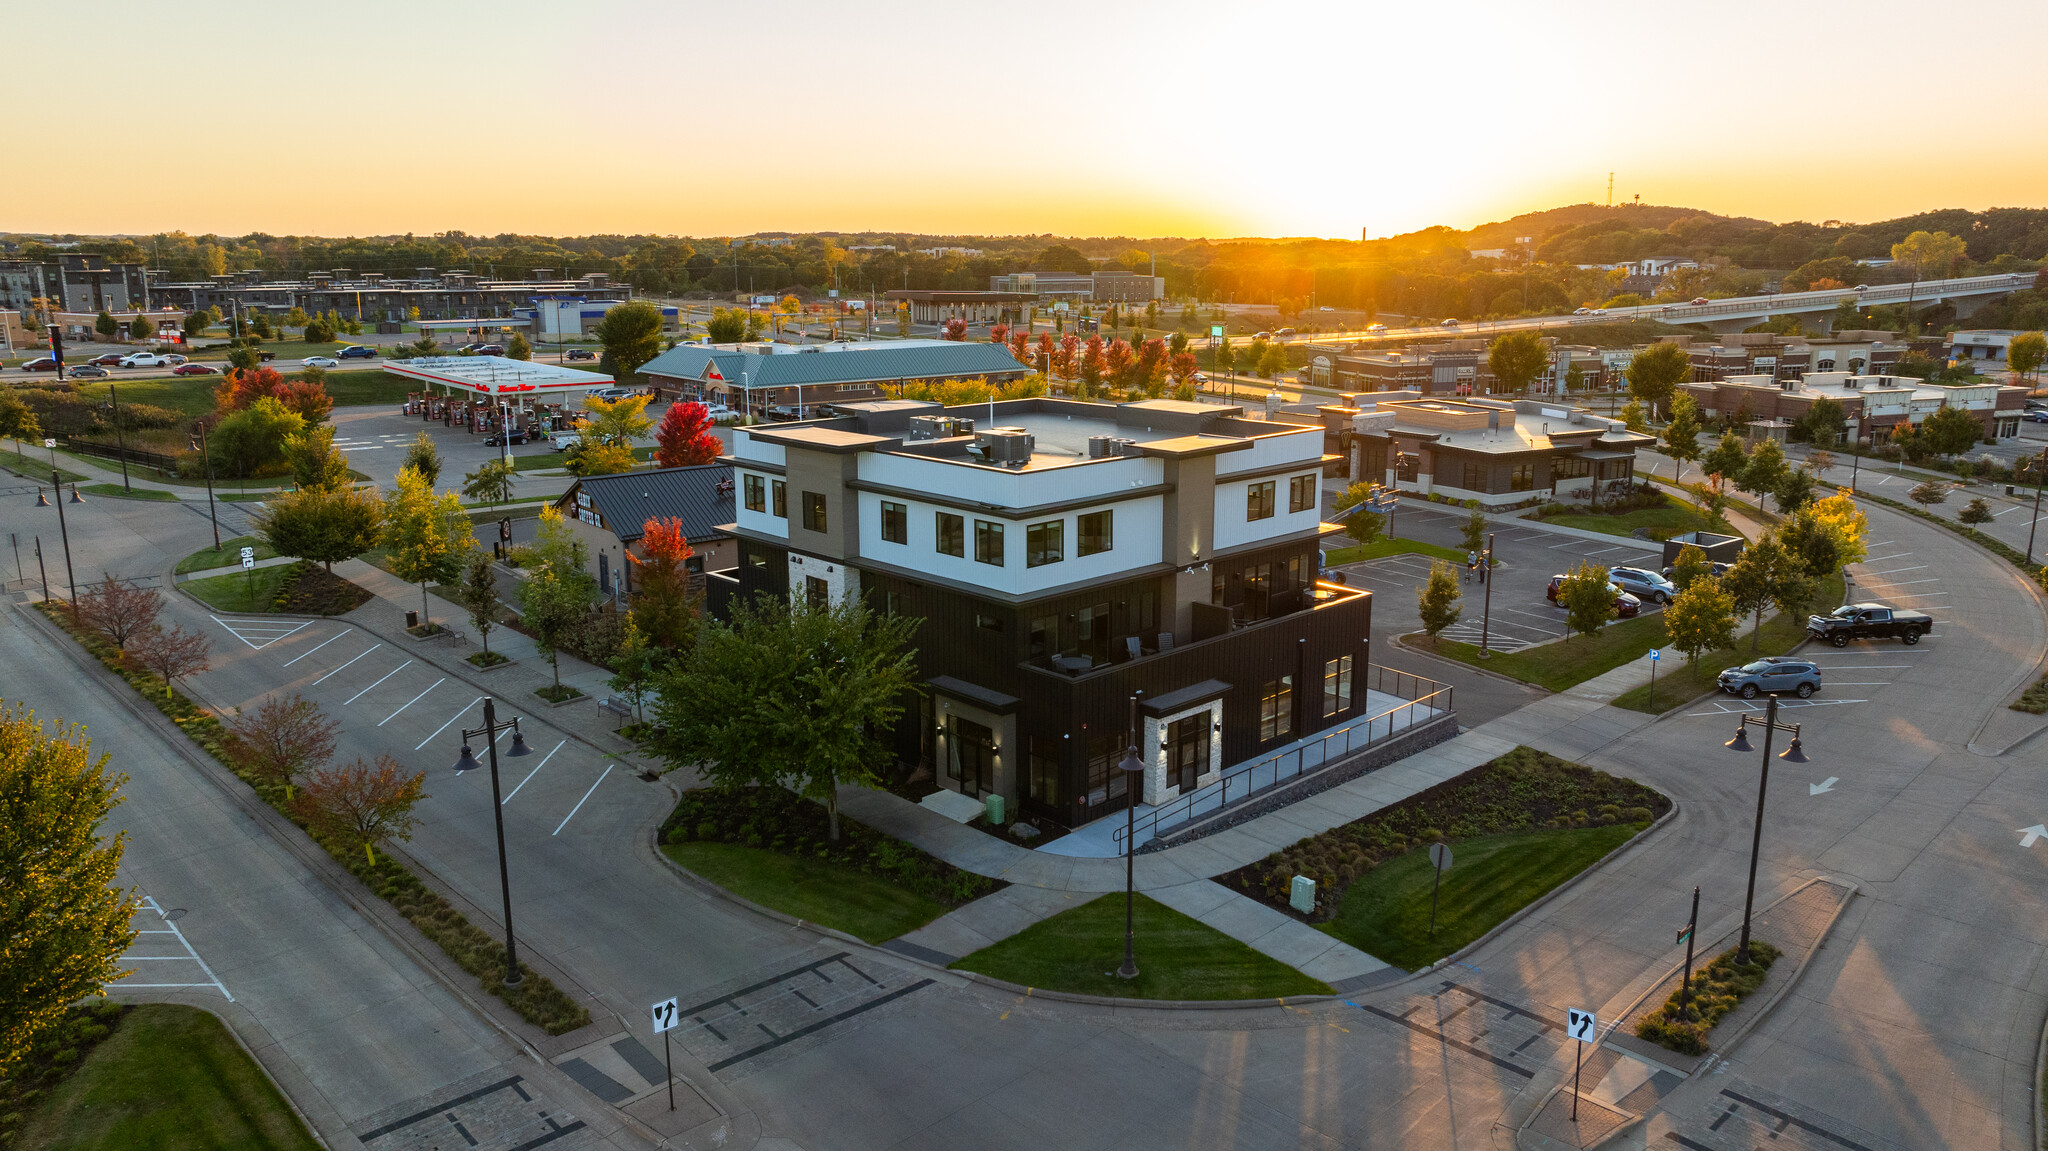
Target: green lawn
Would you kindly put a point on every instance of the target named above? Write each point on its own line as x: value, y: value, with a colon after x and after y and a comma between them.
x: 1386, y: 912
x: 35, y: 467
x: 822, y: 892
x: 169, y: 1078
x: 1675, y: 518
x: 116, y: 491
x: 252, y: 591
x: 230, y: 553
x: 193, y: 395
x: 288, y: 352
x: 1778, y: 636
x: 1382, y: 548
x: 1178, y: 958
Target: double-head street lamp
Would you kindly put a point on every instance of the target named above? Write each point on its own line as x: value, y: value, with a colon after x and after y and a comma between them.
x: 1793, y: 754
x: 467, y: 762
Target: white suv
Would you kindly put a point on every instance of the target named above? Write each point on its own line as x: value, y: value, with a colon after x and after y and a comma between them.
x: 1645, y: 585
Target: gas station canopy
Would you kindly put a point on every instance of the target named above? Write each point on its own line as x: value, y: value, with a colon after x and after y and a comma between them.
x: 497, y: 375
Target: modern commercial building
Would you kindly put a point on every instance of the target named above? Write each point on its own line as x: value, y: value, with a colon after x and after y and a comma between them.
x: 610, y: 513
x: 556, y: 318
x: 1790, y: 357
x: 795, y: 378
x: 1980, y: 344
x: 1064, y: 556
x: 1498, y: 452
x: 373, y: 296
x: 1111, y: 287
x: 934, y: 306
x: 74, y: 283
x: 1872, y: 405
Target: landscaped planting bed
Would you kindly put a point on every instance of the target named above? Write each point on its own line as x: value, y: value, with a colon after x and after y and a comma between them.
x: 1716, y: 989
x: 1524, y: 790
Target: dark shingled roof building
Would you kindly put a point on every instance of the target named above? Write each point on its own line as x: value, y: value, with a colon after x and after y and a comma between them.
x: 609, y: 513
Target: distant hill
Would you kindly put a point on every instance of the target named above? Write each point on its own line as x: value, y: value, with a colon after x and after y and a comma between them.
x: 1551, y: 221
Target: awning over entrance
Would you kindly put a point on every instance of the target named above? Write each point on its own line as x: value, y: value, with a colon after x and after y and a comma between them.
x: 981, y: 697
x: 1183, y: 699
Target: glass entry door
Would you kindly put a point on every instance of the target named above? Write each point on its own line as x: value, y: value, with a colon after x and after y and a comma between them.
x: 970, y: 755
x: 1187, y: 743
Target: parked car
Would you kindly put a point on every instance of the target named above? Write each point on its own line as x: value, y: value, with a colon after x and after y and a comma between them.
x: 1869, y: 621
x: 497, y: 439
x: 88, y: 371
x: 1326, y: 308
x: 719, y: 413
x: 1719, y: 569
x: 579, y: 354
x: 1773, y: 675
x: 565, y: 439
x: 111, y: 359
x: 357, y: 352
x: 146, y: 360
x: 608, y: 394
x: 40, y: 364
x: 319, y: 362
x: 195, y: 370
x: 1625, y: 605
x: 2037, y: 416
x: 1647, y: 586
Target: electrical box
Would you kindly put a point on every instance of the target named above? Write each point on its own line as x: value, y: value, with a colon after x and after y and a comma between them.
x: 1301, y: 895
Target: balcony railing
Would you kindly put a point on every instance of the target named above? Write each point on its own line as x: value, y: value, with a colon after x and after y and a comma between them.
x: 1116, y: 654
x: 1425, y: 699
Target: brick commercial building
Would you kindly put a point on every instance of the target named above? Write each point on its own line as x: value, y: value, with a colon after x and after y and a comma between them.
x: 1871, y: 405
x: 1790, y: 357
x: 1498, y: 452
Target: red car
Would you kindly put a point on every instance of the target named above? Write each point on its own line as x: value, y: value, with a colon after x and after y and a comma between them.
x: 110, y: 360
x: 195, y: 370
x: 44, y: 364
x: 1698, y: 300
x: 1625, y: 605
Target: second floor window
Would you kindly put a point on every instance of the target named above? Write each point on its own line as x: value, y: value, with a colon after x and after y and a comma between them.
x: 757, y: 494
x: 1276, y: 709
x: 1258, y: 501
x: 1096, y: 532
x: 951, y: 539
x: 780, y: 491
x: 814, y: 511
x: 988, y: 542
x: 1045, y: 543
x: 895, y: 523
x: 1301, y: 494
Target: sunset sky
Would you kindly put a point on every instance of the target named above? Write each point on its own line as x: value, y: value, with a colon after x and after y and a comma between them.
x: 1134, y: 118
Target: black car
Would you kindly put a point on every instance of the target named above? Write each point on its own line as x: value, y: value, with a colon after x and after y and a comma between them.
x: 1869, y: 621
x: 497, y: 439
x: 579, y: 354
x: 356, y: 351
x: 489, y: 349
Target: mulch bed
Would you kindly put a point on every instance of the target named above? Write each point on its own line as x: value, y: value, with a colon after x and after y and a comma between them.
x: 313, y: 590
x: 1524, y: 790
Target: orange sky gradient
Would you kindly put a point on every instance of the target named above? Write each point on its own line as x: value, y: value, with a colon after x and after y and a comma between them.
x: 1155, y: 119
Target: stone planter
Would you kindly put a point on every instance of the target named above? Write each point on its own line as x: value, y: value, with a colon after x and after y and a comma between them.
x: 474, y: 666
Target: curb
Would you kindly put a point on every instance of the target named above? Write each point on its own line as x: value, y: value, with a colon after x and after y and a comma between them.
x: 2040, y: 1103
x: 231, y: 1029
x: 1411, y: 649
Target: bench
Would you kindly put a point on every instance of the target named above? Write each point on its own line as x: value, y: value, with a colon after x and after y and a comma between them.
x: 617, y: 707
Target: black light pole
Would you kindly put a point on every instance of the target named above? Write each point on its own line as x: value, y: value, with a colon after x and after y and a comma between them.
x: 1793, y: 754
x: 1486, y: 614
x: 56, y: 484
x: 119, y: 438
x: 467, y: 762
x: 1133, y: 769
x: 207, y: 458
x: 1691, y: 925
x: 2040, y: 469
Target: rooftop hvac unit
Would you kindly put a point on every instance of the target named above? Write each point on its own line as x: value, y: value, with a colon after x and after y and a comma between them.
x: 1007, y: 447
x: 939, y: 427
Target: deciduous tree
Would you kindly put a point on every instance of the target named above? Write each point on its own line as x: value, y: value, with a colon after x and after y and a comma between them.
x: 1794, y: 489
x: 726, y: 326
x: 633, y: 667
x: 1656, y: 371
x: 119, y: 610
x: 589, y: 458
x: 631, y: 335
x: 480, y: 596
x: 1692, y: 564
x: 315, y: 462
x: 685, y: 436
x: 423, y: 457
x: 518, y: 348
x: 1474, y: 532
x: 1811, y: 543
x: 618, y: 422
x: 1437, y: 599
x: 1929, y: 493
x: 104, y: 324
x: 1517, y: 358
x: 953, y: 328
x: 283, y: 737
x: 1975, y: 512
x: 1588, y: 600
x: 1363, y: 524
x: 492, y: 481
x: 1764, y: 471
x: 1682, y: 434
x: 558, y: 590
x: 427, y: 539
x: 1951, y: 431
x: 362, y: 804
x: 322, y: 525
x: 1845, y: 521
x: 665, y: 607
x: 63, y: 922
x: 1727, y: 458
x: 168, y: 653
x: 141, y: 328
x: 2026, y: 352
x: 790, y: 693
x: 307, y: 397
x: 1701, y: 618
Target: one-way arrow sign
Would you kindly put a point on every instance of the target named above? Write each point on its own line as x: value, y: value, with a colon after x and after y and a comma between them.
x: 2029, y: 834
x: 1818, y: 788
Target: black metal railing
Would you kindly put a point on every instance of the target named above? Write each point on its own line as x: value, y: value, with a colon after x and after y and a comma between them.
x: 107, y: 451
x: 1424, y: 699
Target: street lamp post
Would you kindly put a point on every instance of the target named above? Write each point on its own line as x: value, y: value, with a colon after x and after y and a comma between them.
x: 1486, y: 583
x: 467, y: 762
x: 1793, y: 754
x: 57, y: 489
x: 1133, y: 769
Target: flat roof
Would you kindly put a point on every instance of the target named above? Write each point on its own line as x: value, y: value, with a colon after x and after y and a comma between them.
x: 497, y: 375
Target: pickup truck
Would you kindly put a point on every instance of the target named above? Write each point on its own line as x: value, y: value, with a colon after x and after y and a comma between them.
x: 1868, y: 621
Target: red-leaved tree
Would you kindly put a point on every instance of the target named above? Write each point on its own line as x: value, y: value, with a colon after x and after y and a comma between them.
x: 361, y: 804
x: 1020, y: 345
x: 168, y: 654
x: 242, y: 387
x: 1183, y: 365
x: 999, y: 334
x: 118, y: 610
x: 280, y: 739
x: 306, y: 398
x: 664, y: 608
x: 1120, y: 362
x: 685, y: 436
x: 1149, y: 373
x: 953, y: 329
x: 1093, y: 362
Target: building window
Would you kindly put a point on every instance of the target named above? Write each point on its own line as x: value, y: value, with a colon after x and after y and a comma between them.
x: 1475, y: 476
x: 1258, y: 501
x: 1522, y: 478
x: 1276, y: 709
x: 987, y: 622
x: 988, y: 542
x: 780, y: 491
x: 1042, y: 775
x: 1258, y: 591
x: 1045, y: 635
x: 951, y: 534
x: 815, y: 592
x: 1301, y: 494
x: 1045, y: 543
x: 1097, y: 530
x: 1336, y: 685
x: 814, y: 511
x: 895, y: 523
x: 757, y: 494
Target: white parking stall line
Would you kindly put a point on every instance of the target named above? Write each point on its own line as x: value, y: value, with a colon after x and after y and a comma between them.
x: 1860, y: 666
x: 1865, y: 683
x: 269, y: 631
x: 1922, y: 595
x: 410, y: 702
x: 529, y: 775
x: 1527, y: 538
x: 337, y: 671
x: 579, y: 803
x: 1604, y: 551
x: 171, y: 928
x: 1567, y: 544
x: 1783, y: 704
x: 1906, y: 582
x: 451, y: 719
x: 316, y: 647
x: 387, y: 675
x: 1995, y: 515
x: 1885, y: 559
x: 1895, y: 571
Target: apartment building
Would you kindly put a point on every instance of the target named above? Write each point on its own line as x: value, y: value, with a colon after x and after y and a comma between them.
x: 1064, y: 555
x: 1872, y: 405
x: 1500, y: 452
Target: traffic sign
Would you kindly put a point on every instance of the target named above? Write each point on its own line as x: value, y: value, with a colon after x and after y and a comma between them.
x: 664, y: 1015
x: 1215, y: 331
x: 49, y: 443
x: 248, y: 553
x: 248, y: 564
x: 1440, y: 856
x: 1580, y: 1025
x: 1655, y: 655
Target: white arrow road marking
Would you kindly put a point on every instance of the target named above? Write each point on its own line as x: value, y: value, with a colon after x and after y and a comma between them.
x: 2029, y: 834
x: 1819, y: 788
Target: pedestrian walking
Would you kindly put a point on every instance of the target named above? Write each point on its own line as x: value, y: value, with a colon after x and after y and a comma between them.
x: 1471, y: 565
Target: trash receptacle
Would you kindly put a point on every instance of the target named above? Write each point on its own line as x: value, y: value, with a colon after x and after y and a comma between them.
x: 412, y: 620
x: 993, y: 808
x: 2008, y: 489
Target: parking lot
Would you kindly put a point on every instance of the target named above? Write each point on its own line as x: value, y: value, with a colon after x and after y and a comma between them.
x: 1526, y: 557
